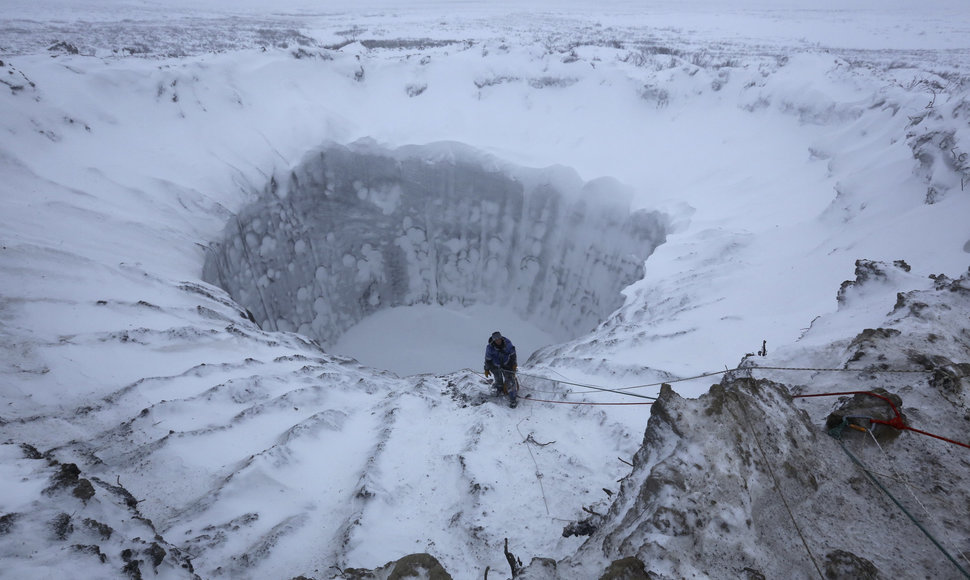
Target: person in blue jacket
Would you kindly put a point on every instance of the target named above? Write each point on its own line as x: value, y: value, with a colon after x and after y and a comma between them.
x: 501, y: 361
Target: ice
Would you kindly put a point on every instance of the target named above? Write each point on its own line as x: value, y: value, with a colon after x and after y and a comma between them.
x: 423, y: 338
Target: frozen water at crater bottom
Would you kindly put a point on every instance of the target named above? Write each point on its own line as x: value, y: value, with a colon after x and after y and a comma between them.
x: 422, y: 338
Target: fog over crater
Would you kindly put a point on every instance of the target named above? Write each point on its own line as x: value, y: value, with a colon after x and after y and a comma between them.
x: 356, y: 229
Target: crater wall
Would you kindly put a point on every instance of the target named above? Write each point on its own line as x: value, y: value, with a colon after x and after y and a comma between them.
x: 354, y: 229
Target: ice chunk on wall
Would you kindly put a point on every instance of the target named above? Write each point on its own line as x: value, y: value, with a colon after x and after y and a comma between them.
x: 356, y: 229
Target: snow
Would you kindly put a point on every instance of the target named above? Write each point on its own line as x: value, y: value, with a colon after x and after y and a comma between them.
x: 399, y: 339
x: 777, y: 143
x: 464, y: 231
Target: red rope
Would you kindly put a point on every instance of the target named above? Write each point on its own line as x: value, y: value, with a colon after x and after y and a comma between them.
x: 908, y: 428
x: 896, y: 422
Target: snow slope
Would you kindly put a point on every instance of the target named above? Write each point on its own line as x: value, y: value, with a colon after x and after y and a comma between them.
x: 782, y: 145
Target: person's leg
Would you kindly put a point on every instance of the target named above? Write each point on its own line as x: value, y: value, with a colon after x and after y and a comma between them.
x: 499, y: 382
x: 512, y: 387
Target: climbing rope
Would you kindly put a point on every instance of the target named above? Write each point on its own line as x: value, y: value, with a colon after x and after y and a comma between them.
x: 899, y: 477
x: 921, y: 432
x: 528, y: 398
x: 754, y: 368
x: 836, y: 433
x: 896, y: 422
x: 525, y: 441
x: 594, y: 387
x: 774, y: 479
x: 834, y: 370
x: 621, y: 390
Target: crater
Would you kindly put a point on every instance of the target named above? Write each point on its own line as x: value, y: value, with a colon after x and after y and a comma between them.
x: 353, y: 230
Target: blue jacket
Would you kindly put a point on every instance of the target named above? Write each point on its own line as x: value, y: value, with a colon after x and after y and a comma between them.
x: 504, y: 357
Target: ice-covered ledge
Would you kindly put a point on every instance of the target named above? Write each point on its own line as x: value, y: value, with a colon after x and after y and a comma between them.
x: 354, y: 229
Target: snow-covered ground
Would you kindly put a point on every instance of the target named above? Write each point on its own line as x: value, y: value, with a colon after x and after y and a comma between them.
x: 411, y: 340
x: 779, y: 143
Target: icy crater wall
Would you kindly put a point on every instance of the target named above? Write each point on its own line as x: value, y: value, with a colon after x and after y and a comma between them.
x: 356, y: 229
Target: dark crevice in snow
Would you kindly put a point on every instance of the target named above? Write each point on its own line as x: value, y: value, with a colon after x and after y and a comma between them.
x: 354, y: 230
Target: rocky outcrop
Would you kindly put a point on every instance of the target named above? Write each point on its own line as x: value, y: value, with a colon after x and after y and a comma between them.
x: 88, y: 529
x: 869, y: 271
x: 721, y: 473
x: 748, y: 481
x: 421, y: 565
